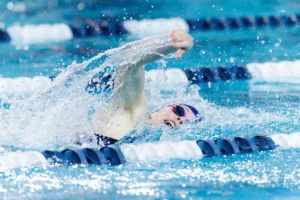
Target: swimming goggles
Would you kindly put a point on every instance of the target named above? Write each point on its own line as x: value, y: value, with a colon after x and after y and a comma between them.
x: 179, y: 111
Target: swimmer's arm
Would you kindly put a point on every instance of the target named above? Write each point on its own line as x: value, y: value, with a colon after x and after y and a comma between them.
x: 154, y: 48
x: 130, y: 76
x: 129, y: 82
x: 150, y: 49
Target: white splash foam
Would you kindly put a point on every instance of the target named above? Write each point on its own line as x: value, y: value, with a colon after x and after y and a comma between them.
x: 56, y: 115
x: 23, y: 84
x: 148, y: 27
x: 29, y: 34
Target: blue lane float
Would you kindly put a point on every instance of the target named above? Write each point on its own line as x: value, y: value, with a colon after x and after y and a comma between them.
x: 253, y: 71
x: 235, y: 23
x: 206, y: 74
x: 91, y: 28
x: 194, y: 76
x: 149, y: 152
x: 284, y: 71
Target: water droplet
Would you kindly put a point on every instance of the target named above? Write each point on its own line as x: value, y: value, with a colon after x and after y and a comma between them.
x: 81, y: 6
x: 10, y: 5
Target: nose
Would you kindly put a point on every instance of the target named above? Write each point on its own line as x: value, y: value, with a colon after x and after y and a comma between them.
x: 179, y: 120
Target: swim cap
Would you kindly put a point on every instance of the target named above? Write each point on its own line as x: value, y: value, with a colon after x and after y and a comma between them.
x: 193, y: 109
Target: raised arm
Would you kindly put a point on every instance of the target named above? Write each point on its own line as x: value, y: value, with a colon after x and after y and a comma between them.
x: 129, y: 97
x: 134, y: 55
x: 152, y: 48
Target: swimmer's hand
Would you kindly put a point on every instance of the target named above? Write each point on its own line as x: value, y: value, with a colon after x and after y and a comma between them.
x: 181, y: 40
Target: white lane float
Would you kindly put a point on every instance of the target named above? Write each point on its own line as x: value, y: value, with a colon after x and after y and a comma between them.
x: 151, y: 152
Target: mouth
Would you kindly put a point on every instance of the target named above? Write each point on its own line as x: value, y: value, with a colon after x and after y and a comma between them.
x: 169, y: 123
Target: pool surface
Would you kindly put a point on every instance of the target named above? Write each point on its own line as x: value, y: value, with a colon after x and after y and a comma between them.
x: 47, y: 119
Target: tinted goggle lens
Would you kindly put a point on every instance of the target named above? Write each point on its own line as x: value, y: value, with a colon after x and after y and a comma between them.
x: 178, y: 110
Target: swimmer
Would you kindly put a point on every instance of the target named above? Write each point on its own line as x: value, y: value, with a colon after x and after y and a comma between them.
x: 130, y: 98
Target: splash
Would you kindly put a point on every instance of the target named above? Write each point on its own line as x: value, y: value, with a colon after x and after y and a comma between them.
x: 54, y: 116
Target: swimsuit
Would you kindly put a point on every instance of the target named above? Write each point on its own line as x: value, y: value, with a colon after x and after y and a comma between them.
x: 104, y: 83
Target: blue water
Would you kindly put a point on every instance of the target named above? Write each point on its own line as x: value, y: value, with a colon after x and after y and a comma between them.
x: 234, y: 108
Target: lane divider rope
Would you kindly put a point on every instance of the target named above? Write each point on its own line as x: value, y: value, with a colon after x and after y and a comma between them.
x: 268, y: 71
x: 174, y: 75
x: 149, y: 152
x: 89, y: 28
x: 221, y: 73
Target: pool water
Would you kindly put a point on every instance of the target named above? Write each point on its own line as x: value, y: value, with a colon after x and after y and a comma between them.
x: 230, y: 109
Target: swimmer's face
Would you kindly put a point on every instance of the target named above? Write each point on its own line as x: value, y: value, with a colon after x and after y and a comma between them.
x: 172, y: 116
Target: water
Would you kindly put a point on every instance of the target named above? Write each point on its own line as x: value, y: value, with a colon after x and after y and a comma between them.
x: 235, y: 108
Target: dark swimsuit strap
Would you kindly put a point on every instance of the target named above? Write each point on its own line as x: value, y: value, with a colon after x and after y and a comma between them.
x: 105, y: 140
x: 108, y: 140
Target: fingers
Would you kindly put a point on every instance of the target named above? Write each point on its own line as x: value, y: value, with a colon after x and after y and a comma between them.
x: 186, y: 44
x: 181, y: 39
x: 180, y: 52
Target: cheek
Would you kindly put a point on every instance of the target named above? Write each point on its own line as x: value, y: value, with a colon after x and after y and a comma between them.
x: 166, y: 114
x: 190, y: 116
x: 172, y: 116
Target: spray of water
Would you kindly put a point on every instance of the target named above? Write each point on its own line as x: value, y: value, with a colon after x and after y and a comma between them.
x: 55, y: 116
